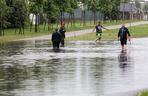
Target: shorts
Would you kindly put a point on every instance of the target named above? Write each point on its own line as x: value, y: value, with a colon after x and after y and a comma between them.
x: 123, y: 42
x: 98, y: 34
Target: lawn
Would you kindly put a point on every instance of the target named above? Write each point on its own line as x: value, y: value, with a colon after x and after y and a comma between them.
x: 145, y: 93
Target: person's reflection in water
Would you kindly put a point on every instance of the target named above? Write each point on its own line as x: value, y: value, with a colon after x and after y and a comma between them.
x: 123, y: 59
x: 56, y: 50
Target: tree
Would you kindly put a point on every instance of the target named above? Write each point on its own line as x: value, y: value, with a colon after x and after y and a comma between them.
x: 93, y: 5
x: 73, y: 4
x: 50, y: 11
x: 36, y: 7
x: 146, y: 10
x: 84, y: 7
x: 19, y: 15
x: 137, y: 4
x: 62, y: 5
x: 106, y: 7
x: 3, y: 19
x: 115, y: 9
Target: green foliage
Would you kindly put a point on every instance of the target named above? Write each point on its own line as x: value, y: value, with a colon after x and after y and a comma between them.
x: 93, y: 5
x: 36, y: 6
x: 145, y: 93
x: 137, y: 4
x: 145, y: 8
x: 73, y: 4
x: 15, y: 13
x: 20, y: 14
x: 3, y: 19
x: 106, y: 7
x: 51, y: 10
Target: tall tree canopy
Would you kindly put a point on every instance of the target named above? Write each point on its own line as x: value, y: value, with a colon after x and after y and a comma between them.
x: 3, y: 20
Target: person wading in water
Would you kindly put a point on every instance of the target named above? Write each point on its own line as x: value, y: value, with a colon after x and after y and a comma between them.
x: 62, y: 31
x: 98, y: 29
x: 56, y: 39
x: 123, y: 35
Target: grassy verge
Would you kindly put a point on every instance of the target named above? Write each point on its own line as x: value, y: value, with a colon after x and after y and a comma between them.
x: 10, y: 33
x: 136, y: 32
x: 145, y: 93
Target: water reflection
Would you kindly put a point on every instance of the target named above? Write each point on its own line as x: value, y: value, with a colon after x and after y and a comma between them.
x: 80, y: 69
x: 10, y: 49
x: 124, y: 59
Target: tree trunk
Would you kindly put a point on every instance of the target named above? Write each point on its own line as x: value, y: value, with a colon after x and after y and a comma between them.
x: 15, y: 30
x: 49, y: 24
x: 81, y: 20
x: 69, y: 19
x: 61, y: 17
x: 1, y: 29
x: 45, y: 25
x: 36, y: 22
x: 94, y: 18
x: 84, y: 18
x: 74, y: 19
x: 90, y: 19
x: 0, y: 32
x: 3, y: 32
x: 23, y: 29
x: 31, y: 23
x: 20, y: 29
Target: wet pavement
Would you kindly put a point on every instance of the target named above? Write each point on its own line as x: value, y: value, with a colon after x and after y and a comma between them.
x: 82, y: 68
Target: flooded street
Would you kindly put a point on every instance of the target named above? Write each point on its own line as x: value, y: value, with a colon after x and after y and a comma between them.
x: 82, y: 68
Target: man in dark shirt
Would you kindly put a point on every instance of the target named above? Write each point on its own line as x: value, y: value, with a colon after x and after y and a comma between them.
x: 62, y: 32
x: 123, y: 35
x: 56, y: 39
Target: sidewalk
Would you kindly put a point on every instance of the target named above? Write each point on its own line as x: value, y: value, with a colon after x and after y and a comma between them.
x: 83, y: 32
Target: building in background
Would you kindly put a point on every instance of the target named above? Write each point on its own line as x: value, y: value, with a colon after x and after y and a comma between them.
x: 130, y: 11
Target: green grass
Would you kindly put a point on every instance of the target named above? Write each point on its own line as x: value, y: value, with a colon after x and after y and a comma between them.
x: 136, y: 32
x: 10, y: 33
x: 145, y: 93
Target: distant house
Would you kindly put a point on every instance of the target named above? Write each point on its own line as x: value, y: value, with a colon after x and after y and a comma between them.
x: 129, y: 11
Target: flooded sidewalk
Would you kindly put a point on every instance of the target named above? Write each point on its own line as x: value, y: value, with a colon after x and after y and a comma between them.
x: 82, y: 68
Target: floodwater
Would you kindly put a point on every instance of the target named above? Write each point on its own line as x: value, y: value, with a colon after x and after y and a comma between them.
x: 82, y: 68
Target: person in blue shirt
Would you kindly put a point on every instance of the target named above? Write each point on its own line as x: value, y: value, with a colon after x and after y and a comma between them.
x: 123, y: 35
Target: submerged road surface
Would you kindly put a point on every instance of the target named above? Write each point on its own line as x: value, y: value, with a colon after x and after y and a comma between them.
x: 82, y: 68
